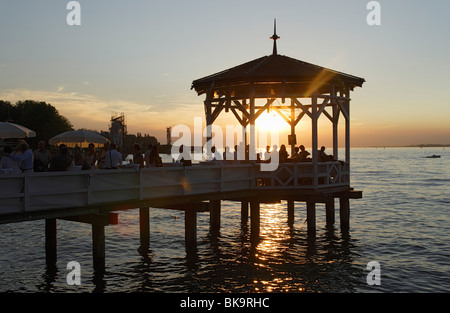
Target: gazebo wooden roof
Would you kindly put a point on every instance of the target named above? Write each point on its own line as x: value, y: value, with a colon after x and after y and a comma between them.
x: 273, y: 72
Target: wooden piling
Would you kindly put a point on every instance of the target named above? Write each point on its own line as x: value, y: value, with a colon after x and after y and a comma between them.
x: 50, y: 241
x: 244, y: 212
x: 98, y: 247
x: 311, y: 217
x: 329, y: 209
x: 190, y: 228
x: 290, y: 212
x: 254, y: 221
x: 144, y: 227
x: 344, y: 212
x: 215, y: 208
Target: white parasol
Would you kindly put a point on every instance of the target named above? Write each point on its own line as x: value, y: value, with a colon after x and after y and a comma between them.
x: 81, y: 138
x: 10, y: 130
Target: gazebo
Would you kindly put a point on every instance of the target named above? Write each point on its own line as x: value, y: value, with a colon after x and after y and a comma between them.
x: 305, y: 89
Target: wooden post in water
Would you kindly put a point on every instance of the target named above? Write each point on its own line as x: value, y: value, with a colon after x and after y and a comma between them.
x: 329, y: 208
x: 50, y: 241
x: 98, y: 247
x: 290, y: 212
x: 214, y: 211
x: 254, y: 221
x: 190, y: 228
x: 244, y: 212
x: 311, y: 217
x: 344, y: 213
x: 144, y: 228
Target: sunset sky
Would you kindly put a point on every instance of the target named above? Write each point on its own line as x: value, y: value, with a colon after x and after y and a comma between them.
x: 140, y: 57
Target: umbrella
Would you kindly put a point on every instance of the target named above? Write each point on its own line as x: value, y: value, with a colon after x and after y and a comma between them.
x: 10, y: 130
x: 81, y: 138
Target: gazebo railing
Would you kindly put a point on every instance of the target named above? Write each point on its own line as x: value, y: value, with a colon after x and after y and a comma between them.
x: 301, y: 176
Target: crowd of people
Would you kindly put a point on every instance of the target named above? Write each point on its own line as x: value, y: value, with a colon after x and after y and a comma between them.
x: 61, y: 158
x: 300, y: 154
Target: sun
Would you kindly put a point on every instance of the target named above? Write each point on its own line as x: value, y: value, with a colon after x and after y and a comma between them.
x: 271, y: 121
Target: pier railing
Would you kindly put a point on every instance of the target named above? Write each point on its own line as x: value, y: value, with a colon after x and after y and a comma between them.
x: 32, y: 192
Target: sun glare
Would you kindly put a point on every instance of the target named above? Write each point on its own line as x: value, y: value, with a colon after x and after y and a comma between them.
x: 270, y: 121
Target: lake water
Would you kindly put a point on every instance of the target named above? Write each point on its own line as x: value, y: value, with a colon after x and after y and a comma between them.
x: 402, y: 222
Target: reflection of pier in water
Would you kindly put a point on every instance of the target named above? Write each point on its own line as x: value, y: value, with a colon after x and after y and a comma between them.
x: 96, y: 197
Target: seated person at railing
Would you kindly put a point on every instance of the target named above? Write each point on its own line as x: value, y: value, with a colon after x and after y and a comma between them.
x: 42, y: 158
x: 184, y: 157
x: 91, y: 157
x: 9, y: 164
x: 236, y: 154
x: 323, y: 157
x: 267, y: 155
x: 77, y: 157
x: 215, y: 156
x: 303, y: 154
x: 227, y: 155
x: 283, y: 155
x: 24, y: 156
x: 61, y: 160
x: 113, y: 158
x: 138, y: 157
x: 296, y: 156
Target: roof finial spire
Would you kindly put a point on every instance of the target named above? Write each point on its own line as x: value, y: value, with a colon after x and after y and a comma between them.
x: 275, y: 37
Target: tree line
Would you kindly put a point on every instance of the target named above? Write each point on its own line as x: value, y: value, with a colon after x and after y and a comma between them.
x: 39, y: 116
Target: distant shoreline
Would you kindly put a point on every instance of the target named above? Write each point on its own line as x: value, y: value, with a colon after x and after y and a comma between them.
x: 411, y: 146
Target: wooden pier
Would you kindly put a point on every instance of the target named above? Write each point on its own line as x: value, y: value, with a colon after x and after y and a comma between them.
x: 292, y: 88
x: 97, y: 197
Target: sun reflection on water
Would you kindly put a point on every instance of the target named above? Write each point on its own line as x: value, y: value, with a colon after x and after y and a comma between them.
x: 287, y: 259
x: 272, y: 251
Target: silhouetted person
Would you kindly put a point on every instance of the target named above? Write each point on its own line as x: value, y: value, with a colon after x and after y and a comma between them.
x: 267, y: 154
x: 24, y: 157
x: 61, y: 161
x: 183, y: 157
x: 78, y: 157
x: 42, y: 158
x: 227, y: 154
x: 147, y: 154
x: 91, y: 157
x: 113, y: 158
x: 283, y: 155
x: 9, y: 163
x: 323, y: 157
x: 138, y: 158
x: 215, y: 154
x: 303, y: 154
x: 102, y: 156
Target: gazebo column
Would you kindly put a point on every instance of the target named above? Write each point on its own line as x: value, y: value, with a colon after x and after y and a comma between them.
x: 208, y: 113
x: 292, y: 123
x: 244, y: 127
x: 347, y: 126
x: 314, y: 140
x: 335, y: 121
x: 252, y: 141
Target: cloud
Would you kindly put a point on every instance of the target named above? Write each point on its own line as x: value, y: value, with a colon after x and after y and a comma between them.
x: 83, y: 110
x: 93, y: 112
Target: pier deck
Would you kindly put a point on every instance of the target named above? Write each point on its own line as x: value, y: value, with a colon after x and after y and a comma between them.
x: 96, y: 196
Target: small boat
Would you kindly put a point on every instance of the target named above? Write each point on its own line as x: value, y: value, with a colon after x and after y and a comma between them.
x: 434, y: 156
